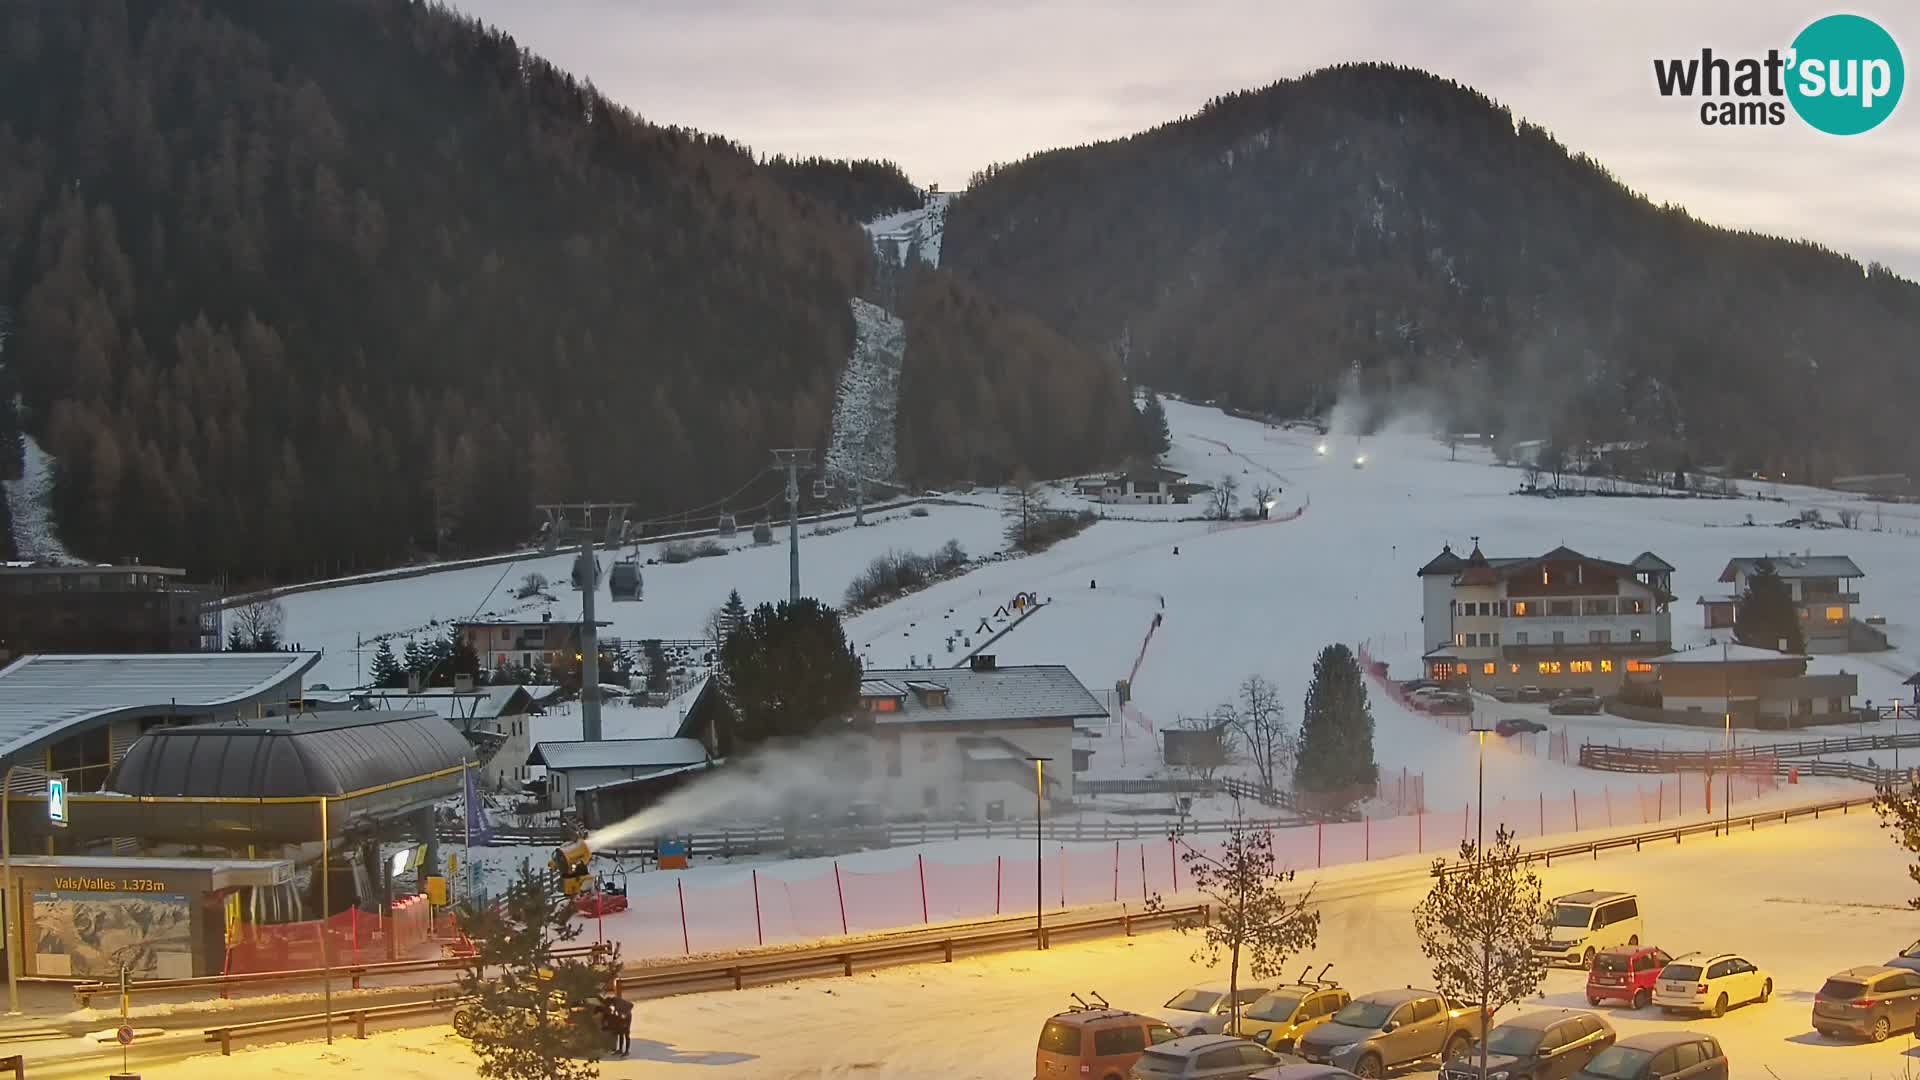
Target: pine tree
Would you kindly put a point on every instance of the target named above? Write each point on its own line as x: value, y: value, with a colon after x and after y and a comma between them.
x: 788, y: 669
x: 531, y: 1014
x: 459, y: 658
x: 417, y: 659
x: 732, y: 614
x: 1154, y: 433
x: 386, y: 672
x: 1336, y: 731
x: 1767, y: 615
x: 236, y: 641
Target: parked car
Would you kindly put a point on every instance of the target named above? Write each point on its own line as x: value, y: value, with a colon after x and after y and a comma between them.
x: 1203, y: 1009
x: 1575, y: 706
x: 1307, y: 1071
x: 1530, y: 693
x: 1702, y: 983
x: 1664, y: 1055
x: 1551, y: 1044
x: 1096, y: 1042
x: 1586, y: 922
x: 1504, y: 694
x: 1518, y: 725
x: 1278, y: 1020
x: 1390, y: 1028
x: 1909, y: 958
x: 1867, y: 1002
x: 1212, y: 1057
x: 1412, y: 685
x: 1448, y: 703
x: 1625, y: 974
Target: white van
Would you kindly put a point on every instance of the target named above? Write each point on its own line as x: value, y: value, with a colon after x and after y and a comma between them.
x: 1586, y: 923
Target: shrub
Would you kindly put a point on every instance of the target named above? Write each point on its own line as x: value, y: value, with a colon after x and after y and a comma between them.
x: 918, y: 511
x: 681, y: 551
x: 898, y: 573
x: 1051, y: 528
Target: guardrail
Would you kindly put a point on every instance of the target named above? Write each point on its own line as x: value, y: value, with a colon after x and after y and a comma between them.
x: 1809, y: 748
x: 1635, y: 841
x: 842, y: 959
x: 1636, y: 760
x: 225, y: 1034
x: 85, y: 992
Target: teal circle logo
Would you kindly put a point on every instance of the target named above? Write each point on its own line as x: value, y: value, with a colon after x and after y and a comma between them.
x: 1846, y: 74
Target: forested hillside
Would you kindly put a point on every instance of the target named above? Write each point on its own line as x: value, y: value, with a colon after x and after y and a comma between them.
x: 862, y: 190
x: 1382, y: 224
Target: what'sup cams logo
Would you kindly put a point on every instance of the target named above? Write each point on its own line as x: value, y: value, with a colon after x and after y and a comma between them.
x: 1842, y: 75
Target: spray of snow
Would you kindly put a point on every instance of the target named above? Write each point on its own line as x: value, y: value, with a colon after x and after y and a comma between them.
x: 1359, y: 416
x: 813, y: 776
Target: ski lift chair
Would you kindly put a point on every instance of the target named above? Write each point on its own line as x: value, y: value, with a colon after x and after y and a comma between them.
x: 726, y: 526
x: 819, y: 489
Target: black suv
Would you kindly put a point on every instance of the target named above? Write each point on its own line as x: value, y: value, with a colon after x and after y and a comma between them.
x: 1552, y: 1044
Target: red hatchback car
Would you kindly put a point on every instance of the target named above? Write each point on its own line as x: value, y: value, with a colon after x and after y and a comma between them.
x: 1625, y: 974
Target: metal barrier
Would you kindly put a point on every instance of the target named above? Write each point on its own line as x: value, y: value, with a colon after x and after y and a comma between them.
x: 85, y: 992
x: 225, y: 1034
x: 1635, y: 841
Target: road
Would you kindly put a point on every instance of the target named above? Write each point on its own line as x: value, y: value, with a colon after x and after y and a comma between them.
x: 1804, y: 901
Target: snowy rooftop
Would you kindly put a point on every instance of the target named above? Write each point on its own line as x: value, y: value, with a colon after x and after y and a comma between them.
x: 43, y: 696
x: 484, y: 703
x: 1039, y: 692
x: 1731, y: 654
x: 227, y: 873
x: 1796, y: 566
x: 619, y: 754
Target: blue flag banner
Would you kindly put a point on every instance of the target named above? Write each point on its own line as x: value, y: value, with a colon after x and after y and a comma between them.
x: 478, y: 827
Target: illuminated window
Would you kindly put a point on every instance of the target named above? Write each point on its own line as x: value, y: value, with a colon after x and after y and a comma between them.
x: 1459, y: 669
x: 1580, y: 667
x: 1606, y: 665
x: 1549, y: 667
x: 1836, y: 614
x: 1513, y: 669
x: 1519, y: 607
x: 1639, y: 666
x: 1490, y: 667
x: 1544, y: 579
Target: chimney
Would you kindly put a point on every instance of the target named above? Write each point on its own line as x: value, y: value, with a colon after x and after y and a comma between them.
x: 984, y: 662
x: 463, y: 684
x: 546, y: 616
x: 414, y: 682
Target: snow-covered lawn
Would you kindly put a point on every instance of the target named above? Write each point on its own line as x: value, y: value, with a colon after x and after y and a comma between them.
x: 1802, y: 901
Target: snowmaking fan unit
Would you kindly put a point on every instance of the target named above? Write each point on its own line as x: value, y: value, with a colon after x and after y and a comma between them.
x: 569, y: 862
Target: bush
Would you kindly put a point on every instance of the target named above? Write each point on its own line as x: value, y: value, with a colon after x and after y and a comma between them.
x: 1049, y: 529
x: 898, y: 573
x: 681, y: 551
x: 918, y: 511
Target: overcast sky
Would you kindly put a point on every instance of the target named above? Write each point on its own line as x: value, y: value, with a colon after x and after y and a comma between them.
x: 945, y: 89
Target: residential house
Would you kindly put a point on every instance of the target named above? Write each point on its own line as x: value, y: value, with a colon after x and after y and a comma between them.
x: 1759, y: 687
x: 1559, y: 621
x: 104, y: 609
x: 1146, y: 484
x: 1823, y: 591
x: 507, y: 641
x: 961, y: 741
x: 577, y: 765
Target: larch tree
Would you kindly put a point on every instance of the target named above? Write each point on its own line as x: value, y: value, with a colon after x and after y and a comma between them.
x: 1477, y: 926
x: 1254, y: 914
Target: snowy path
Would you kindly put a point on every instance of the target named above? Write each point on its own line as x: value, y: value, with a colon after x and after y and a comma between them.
x: 1803, y: 901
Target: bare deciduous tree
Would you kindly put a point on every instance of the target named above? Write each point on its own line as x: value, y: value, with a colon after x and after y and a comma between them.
x: 1261, y: 721
x: 1477, y: 925
x: 1849, y: 519
x: 259, y: 626
x: 1263, y: 496
x: 533, y: 584
x: 1201, y: 759
x: 1254, y: 909
x: 1226, y: 493
x: 1026, y: 506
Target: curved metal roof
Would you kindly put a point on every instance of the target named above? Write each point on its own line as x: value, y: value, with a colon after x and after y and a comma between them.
x: 331, y: 754
x: 46, y: 697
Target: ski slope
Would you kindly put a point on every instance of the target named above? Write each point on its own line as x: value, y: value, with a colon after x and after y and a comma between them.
x: 1802, y: 901
x: 1235, y: 601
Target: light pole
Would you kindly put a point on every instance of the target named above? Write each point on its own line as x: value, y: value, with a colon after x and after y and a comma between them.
x: 1480, y: 728
x: 1039, y: 857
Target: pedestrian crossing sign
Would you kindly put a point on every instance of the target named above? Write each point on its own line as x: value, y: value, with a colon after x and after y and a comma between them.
x: 57, y: 801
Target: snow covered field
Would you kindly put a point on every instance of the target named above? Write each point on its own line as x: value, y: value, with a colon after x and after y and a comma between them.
x: 1256, y: 598
x: 1802, y: 901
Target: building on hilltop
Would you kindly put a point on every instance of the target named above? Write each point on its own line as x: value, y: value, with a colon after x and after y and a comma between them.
x: 133, y: 608
x: 1824, y: 595
x: 1559, y: 621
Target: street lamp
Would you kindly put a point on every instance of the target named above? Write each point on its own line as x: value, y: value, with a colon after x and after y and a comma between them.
x: 1481, y: 728
x: 1039, y: 858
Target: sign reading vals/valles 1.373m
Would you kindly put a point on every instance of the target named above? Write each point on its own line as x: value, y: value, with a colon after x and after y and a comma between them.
x: 107, y: 884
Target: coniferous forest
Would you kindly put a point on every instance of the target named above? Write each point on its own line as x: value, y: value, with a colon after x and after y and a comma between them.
x: 1383, y: 227
x: 304, y: 288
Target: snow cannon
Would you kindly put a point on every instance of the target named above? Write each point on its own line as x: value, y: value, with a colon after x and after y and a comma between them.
x: 1321, y: 449
x: 1360, y: 461
x: 570, y: 863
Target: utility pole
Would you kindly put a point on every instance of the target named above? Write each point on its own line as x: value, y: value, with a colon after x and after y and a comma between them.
x: 589, y: 644
x: 793, y: 460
